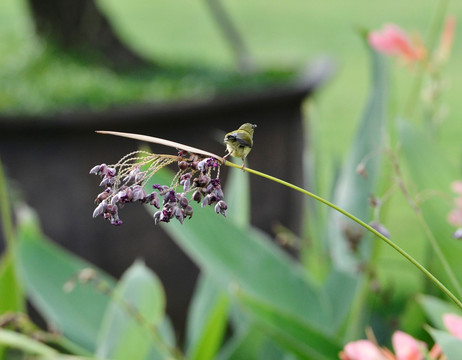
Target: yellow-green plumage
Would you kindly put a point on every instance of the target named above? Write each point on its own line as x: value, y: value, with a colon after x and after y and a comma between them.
x: 239, y: 142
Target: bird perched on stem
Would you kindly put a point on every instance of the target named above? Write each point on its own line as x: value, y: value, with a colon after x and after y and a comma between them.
x: 239, y: 142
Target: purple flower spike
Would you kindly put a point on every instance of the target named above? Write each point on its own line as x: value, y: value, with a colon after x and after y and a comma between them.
x: 124, y: 183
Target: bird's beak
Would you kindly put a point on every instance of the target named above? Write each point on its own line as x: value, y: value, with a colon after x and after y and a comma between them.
x: 254, y: 126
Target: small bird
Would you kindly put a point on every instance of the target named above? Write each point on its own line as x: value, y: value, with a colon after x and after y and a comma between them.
x: 239, y: 142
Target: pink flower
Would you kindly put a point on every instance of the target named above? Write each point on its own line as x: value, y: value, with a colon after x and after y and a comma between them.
x: 447, y: 38
x: 453, y: 323
x: 406, y: 347
x: 394, y: 41
x: 455, y: 216
x: 361, y: 350
x: 456, y: 186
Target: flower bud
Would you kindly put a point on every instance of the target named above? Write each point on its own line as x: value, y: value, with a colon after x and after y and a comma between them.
x: 140, y: 176
x: 221, y: 207
x: 202, y: 166
x: 179, y: 215
x: 110, y: 172
x: 206, y: 201
x: 101, y: 208
x: 157, y: 216
x: 361, y: 170
x: 183, y: 165
x: 380, y: 228
x: 197, y: 196
x: 202, y: 181
x: 183, y: 201
x: 95, y: 170
x: 138, y: 192
x: 457, y: 234
x: 188, y: 211
x: 103, y: 196
x: 186, y: 184
x: 154, y: 200
x: 163, y: 189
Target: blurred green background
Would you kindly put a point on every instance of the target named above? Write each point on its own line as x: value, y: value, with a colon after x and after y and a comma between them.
x: 283, y: 37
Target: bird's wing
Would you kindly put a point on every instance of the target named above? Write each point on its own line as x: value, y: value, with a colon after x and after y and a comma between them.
x: 242, y: 139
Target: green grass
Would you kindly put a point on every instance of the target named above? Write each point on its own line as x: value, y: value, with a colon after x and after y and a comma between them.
x: 282, y: 35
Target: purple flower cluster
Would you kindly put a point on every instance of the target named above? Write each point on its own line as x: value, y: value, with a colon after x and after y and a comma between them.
x: 119, y: 192
x: 124, y: 183
x: 206, y: 190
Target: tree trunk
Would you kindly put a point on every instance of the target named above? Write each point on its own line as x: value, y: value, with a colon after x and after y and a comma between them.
x: 80, y: 25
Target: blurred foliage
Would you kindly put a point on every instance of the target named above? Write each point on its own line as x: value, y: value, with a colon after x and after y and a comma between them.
x: 48, y: 80
x: 37, y: 77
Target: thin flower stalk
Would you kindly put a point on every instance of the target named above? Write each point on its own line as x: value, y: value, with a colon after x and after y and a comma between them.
x: 431, y: 237
x: 307, y: 193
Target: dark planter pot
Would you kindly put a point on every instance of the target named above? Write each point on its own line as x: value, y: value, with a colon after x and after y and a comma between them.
x: 48, y: 159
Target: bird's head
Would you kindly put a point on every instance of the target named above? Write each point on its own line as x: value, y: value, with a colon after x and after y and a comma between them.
x: 248, y: 127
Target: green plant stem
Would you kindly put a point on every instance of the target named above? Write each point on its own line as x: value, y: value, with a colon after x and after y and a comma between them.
x: 413, y: 261
x: 423, y: 65
x: 418, y: 212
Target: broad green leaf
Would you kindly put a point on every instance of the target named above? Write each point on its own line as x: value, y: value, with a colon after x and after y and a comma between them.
x: 353, y: 190
x: 435, y: 309
x: 340, y: 282
x: 290, y: 331
x: 213, y: 331
x: 207, y: 318
x: 451, y: 346
x: 248, y: 259
x: 245, y: 344
x: 432, y: 174
x: 45, y: 268
x: 11, y: 293
x: 252, y: 344
x: 237, y: 196
x: 314, y: 256
x: 131, y: 324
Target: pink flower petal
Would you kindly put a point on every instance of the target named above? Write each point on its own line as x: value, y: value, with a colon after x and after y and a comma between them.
x: 406, y: 347
x: 447, y: 38
x: 392, y: 40
x: 456, y: 186
x: 453, y: 323
x: 361, y: 350
x: 455, y: 217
